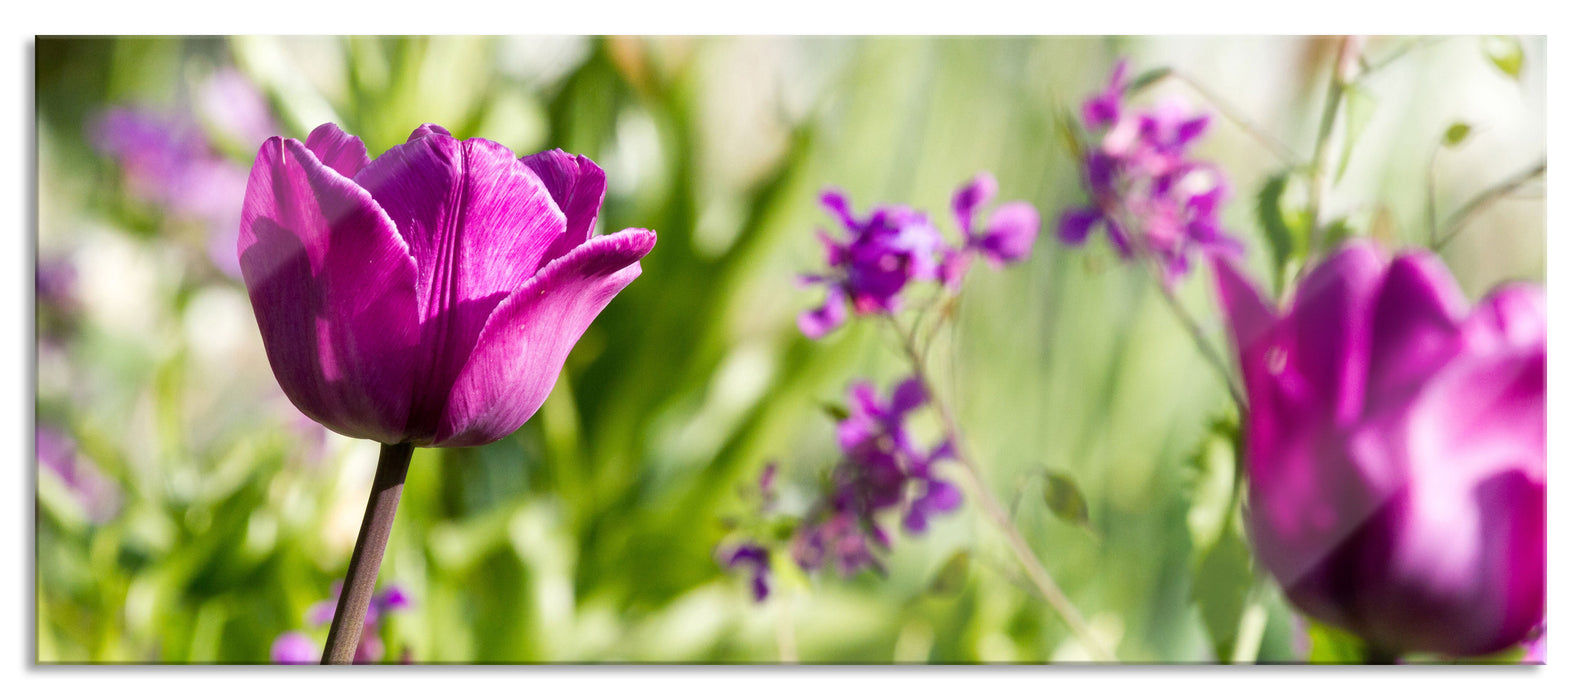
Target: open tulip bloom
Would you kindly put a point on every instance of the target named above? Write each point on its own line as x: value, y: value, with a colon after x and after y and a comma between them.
x: 428, y: 297
x: 1395, y: 450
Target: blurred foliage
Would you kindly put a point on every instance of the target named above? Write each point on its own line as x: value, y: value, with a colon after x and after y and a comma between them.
x: 590, y: 534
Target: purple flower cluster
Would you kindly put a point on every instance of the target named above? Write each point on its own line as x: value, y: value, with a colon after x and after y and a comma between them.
x: 881, y: 469
x: 167, y: 160
x: 895, y: 246
x: 297, y: 648
x: 1145, y: 189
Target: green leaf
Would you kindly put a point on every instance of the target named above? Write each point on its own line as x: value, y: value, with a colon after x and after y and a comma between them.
x: 1360, y: 106
x: 1505, y: 52
x: 951, y: 578
x: 1336, y: 233
x: 1065, y: 499
x: 1276, y: 230
x: 1146, y: 79
x: 1333, y: 646
x: 1071, y: 135
x: 835, y: 411
x: 1220, y: 590
x: 1455, y: 134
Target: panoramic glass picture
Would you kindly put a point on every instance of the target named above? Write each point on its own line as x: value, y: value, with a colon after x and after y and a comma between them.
x: 790, y: 350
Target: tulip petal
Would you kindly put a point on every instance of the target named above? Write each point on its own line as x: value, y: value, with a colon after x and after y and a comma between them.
x: 333, y: 287
x: 426, y: 131
x: 479, y: 223
x: 1414, y: 326
x: 339, y: 150
x: 1250, y: 320
x: 526, y: 340
x: 577, y: 186
x: 1513, y: 315
x: 1329, y: 320
x: 1466, y: 556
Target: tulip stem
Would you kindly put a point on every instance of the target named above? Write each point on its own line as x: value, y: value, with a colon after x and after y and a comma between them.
x: 352, y: 607
x: 985, y: 497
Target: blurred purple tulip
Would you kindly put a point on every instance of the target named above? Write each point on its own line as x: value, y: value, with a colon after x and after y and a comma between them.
x: 1395, y: 450
x: 431, y: 295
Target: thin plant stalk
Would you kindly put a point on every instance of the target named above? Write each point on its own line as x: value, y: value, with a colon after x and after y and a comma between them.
x: 1200, y: 339
x: 1340, y: 78
x: 785, y: 630
x: 991, y: 506
x: 1271, y: 144
x: 1459, y: 219
x: 363, y: 572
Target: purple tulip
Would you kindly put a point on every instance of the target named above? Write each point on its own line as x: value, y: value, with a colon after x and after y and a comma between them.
x: 1395, y: 450
x: 432, y: 295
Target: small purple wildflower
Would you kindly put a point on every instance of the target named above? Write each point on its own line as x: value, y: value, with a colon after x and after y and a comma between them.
x: 881, y: 469
x: 168, y: 161
x: 294, y: 648
x: 97, y: 494
x: 370, y: 649
x: 755, y: 558
x: 893, y: 247
x: 1145, y: 190
x: 1008, y: 237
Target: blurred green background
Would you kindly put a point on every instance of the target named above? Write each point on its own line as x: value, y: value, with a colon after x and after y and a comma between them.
x: 205, y: 516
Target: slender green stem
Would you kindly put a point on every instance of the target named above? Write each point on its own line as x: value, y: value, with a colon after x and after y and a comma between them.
x: 1459, y: 219
x: 1223, y: 106
x: 1200, y: 339
x: 1340, y: 78
x: 358, y: 589
x: 1370, y: 67
x: 785, y: 630
x: 1254, y: 622
x: 991, y: 506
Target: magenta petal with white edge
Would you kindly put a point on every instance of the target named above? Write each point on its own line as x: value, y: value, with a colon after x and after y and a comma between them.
x: 334, y: 288
x: 525, y: 343
x: 577, y: 186
x: 339, y: 150
x: 479, y: 223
